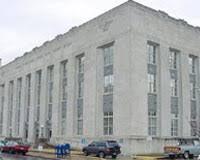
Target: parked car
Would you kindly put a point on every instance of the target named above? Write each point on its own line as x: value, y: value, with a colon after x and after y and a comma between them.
x: 15, y: 147
x: 2, y: 144
x: 102, y: 149
x: 186, y: 150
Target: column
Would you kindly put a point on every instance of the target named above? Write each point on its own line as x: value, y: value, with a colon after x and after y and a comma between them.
x: 89, y: 93
x: 31, y: 131
x: 22, y: 109
x: 71, y: 96
x: 56, y: 105
x: 165, y: 112
x: 186, y: 128
x: 14, y: 134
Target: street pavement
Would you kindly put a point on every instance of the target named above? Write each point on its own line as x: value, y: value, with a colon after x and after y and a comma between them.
x: 20, y: 157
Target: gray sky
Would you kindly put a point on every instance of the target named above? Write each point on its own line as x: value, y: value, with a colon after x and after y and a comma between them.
x: 25, y: 24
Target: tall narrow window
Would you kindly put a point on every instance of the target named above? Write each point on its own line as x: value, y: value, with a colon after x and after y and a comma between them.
x: 108, y: 90
x: 151, y: 53
x: 108, y: 83
x: 193, y: 90
x: 37, y: 102
x: 108, y: 123
x: 152, y: 88
x: 151, y: 83
x: 18, y: 105
x: 10, y: 107
x: 2, y: 90
x: 173, y: 59
x: 193, y: 74
x: 38, y: 94
x: 50, y: 78
x: 64, y: 92
x: 80, y: 82
x: 27, y: 103
x: 49, y: 92
x: 174, y: 88
x: 174, y: 127
x: 192, y: 67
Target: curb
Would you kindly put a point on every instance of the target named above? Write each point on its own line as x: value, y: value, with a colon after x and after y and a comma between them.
x: 48, y: 156
x: 147, y: 157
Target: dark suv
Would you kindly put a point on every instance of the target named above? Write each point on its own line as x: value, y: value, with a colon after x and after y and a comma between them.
x: 103, y: 149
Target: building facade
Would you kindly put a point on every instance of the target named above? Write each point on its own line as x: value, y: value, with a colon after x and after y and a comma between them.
x: 131, y: 74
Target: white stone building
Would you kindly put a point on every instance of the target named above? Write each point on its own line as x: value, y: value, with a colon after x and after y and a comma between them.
x: 131, y: 74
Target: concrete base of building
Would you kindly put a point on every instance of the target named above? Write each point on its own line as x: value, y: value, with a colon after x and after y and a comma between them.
x: 129, y: 145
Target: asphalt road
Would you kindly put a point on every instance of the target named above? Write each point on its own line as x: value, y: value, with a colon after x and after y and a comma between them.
x: 20, y: 157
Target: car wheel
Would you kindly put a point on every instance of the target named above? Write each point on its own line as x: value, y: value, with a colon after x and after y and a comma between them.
x: 85, y: 153
x: 186, y: 155
x: 114, y: 156
x: 171, y: 156
x: 101, y: 154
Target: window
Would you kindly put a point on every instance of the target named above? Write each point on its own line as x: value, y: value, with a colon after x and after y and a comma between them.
x: 27, y: 103
x: 38, y: 93
x: 108, y: 123
x: 151, y: 83
x: 81, y: 60
x: 108, y: 55
x: 193, y: 90
x: 173, y: 59
x: 174, y: 87
x: 193, y: 78
x: 18, y: 106
x: 174, y: 127
x: 80, y: 93
x: 10, y: 107
x: 64, y: 87
x: 152, y: 125
x: 50, y: 78
x: 151, y: 53
x: 193, y: 110
x: 108, y: 88
x: 108, y: 83
x: 193, y: 128
x: 192, y: 67
x: 152, y: 88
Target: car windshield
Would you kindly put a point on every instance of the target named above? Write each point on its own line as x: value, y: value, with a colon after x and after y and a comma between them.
x: 112, y: 143
x: 11, y: 143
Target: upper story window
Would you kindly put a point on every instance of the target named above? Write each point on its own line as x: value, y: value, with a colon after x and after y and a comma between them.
x: 151, y: 83
x: 108, y: 83
x: 108, y: 55
x: 173, y: 59
x: 64, y: 80
x: 81, y: 61
x: 174, y: 87
x: 192, y: 66
x: 193, y: 90
x: 38, y: 86
x: 151, y: 53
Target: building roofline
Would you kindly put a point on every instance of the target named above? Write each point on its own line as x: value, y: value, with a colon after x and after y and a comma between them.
x: 61, y: 36
x: 158, y: 13
x: 163, y: 14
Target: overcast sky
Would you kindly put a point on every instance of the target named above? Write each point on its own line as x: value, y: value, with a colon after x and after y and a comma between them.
x: 25, y: 24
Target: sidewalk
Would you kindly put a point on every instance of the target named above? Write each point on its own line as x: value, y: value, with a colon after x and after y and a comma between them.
x: 78, y: 155
x: 50, y: 154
